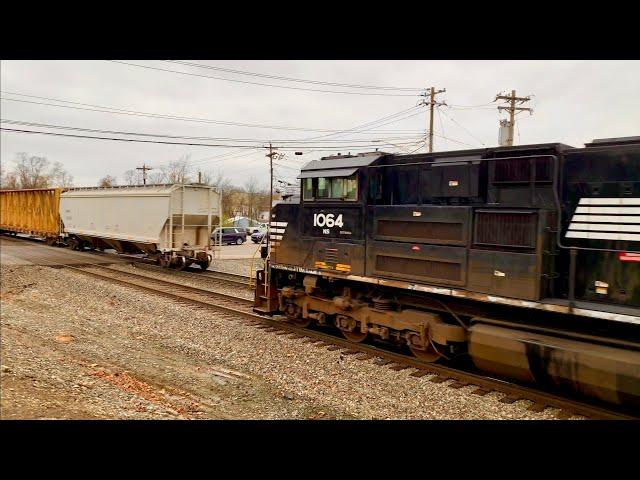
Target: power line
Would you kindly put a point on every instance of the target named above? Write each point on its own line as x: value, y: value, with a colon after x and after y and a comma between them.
x: 290, y: 79
x: 463, y: 127
x: 263, y: 84
x: 121, y: 139
x: 112, y: 132
x: 322, y: 147
x: 120, y: 111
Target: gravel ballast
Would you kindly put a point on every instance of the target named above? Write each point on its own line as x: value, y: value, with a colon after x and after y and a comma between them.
x: 79, y: 347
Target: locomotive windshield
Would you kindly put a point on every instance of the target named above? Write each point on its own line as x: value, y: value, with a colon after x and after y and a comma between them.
x: 331, y: 188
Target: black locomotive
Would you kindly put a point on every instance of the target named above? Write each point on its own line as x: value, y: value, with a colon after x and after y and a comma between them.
x: 525, y: 259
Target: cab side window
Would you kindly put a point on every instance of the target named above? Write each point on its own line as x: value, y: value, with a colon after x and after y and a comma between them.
x: 307, y: 189
x: 324, y: 187
x: 338, y: 188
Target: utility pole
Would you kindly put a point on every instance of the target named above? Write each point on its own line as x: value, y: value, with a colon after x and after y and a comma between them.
x: 144, y: 169
x: 432, y: 102
x: 270, y: 155
x: 512, y: 109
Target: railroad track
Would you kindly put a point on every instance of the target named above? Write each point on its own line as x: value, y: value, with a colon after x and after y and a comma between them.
x: 242, y: 309
x: 215, y: 275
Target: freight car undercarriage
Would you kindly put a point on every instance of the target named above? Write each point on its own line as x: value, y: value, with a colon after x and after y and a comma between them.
x: 178, y: 259
x: 544, y: 348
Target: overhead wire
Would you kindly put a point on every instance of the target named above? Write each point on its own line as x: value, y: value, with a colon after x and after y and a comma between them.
x: 262, y: 84
x: 121, y: 111
x: 290, y: 79
x: 250, y: 140
x: 341, y: 147
x: 463, y: 127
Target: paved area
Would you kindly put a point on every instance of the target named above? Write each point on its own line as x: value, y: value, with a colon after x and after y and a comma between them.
x: 246, y: 250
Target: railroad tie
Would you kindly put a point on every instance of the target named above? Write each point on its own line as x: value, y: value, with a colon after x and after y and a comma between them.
x: 481, y: 391
x: 509, y: 399
x: 382, y: 361
x: 537, y: 407
x: 457, y: 384
x: 350, y: 352
x: 334, y: 347
x: 420, y: 373
x: 363, y: 357
x: 564, y: 414
x: 439, y: 379
x: 398, y: 367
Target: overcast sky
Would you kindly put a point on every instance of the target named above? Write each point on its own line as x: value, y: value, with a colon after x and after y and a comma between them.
x: 573, y: 101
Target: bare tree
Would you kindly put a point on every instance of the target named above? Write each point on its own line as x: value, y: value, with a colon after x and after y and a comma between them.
x: 108, y: 181
x: 177, y: 171
x: 60, y: 177
x: 132, y: 177
x: 156, y: 177
x: 31, y: 171
x: 251, y: 188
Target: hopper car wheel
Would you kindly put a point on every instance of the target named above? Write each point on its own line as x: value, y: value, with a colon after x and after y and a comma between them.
x: 205, y: 264
x: 74, y: 244
x: 429, y: 355
x: 163, y: 261
x: 180, y: 263
x: 355, y: 336
x: 51, y: 241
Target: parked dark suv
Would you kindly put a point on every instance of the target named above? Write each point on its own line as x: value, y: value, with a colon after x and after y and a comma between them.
x: 230, y: 235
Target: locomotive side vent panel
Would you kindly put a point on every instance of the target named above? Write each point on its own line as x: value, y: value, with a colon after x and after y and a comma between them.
x: 506, y: 228
x: 426, y: 224
x: 451, y: 180
x: 419, y: 268
x: 423, y: 263
x: 519, y: 170
x: 450, y: 232
x: 521, y: 182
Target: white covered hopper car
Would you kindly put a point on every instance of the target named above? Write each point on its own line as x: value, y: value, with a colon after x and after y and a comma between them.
x: 170, y: 223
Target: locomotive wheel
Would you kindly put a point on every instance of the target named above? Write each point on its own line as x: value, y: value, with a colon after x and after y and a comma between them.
x: 293, y: 314
x: 301, y: 322
x: 429, y: 355
x: 74, y: 244
x: 355, y: 336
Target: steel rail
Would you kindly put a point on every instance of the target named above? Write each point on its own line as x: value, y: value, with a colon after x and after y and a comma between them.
x: 440, y: 373
x: 215, y: 275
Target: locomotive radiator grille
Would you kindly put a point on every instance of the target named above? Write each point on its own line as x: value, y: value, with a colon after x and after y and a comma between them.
x: 506, y: 229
